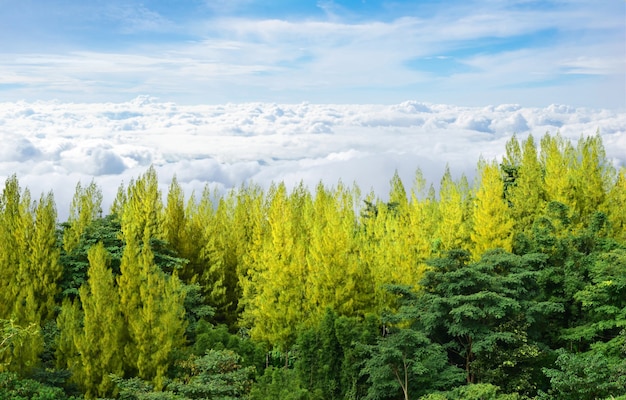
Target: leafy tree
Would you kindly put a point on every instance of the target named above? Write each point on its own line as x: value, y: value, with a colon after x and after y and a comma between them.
x: 14, y: 388
x: 279, y: 383
x: 405, y: 360
x: 105, y: 230
x: 473, y: 308
x: 216, y: 375
x: 320, y: 358
x: 590, y: 375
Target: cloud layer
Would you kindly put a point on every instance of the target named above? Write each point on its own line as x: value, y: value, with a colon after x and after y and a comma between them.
x: 53, y: 145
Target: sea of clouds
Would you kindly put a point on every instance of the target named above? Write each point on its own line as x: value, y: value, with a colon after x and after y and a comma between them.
x: 54, y: 145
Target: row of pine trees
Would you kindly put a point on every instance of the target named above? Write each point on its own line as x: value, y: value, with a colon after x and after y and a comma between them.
x: 105, y: 299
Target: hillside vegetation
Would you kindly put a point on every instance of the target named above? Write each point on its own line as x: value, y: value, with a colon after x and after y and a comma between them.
x: 509, y: 287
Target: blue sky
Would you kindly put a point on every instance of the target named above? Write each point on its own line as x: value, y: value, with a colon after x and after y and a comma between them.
x: 474, y: 53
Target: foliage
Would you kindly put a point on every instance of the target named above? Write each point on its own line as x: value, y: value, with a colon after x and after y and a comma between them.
x: 14, y: 388
x: 517, y: 286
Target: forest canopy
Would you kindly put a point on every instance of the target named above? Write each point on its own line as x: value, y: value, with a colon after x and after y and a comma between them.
x: 511, y: 286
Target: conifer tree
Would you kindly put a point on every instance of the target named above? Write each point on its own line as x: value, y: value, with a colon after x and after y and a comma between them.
x: 336, y: 280
x: 453, y: 231
x: 174, y: 218
x: 526, y: 193
x: 556, y: 158
x: 86, y: 206
x: 43, y: 269
x: 13, y: 238
x: 591, y: 176
x: 275, y: 295
x: 492, y: 224
x: 30, y: 269
x: 423, y: 217
x: 150, y: 301
x: 102, y: 333
x: 614, y: 207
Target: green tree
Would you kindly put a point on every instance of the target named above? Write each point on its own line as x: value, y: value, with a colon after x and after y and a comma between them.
x: 405, y: 361
x: 474, y: 308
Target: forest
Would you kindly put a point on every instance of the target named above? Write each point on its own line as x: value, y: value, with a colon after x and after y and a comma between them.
x: 508, y: 286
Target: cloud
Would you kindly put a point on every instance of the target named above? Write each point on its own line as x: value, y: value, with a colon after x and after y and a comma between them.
x: 52, y: 145
x: 471, y: 53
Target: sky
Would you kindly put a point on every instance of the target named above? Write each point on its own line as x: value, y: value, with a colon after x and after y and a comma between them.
x: 463, y: 52
x: 227, y: 92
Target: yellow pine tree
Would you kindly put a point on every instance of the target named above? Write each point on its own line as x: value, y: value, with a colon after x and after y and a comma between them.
x: 423, y: 217
x: 402, y: 243
x: 335, y: 278
x: 103, y: 332
x: 492, y: 222
x: 150, y: 301
x: 142, y: 212
x: 614, y: 207
x: 86, y: 206
x: 453, y: 230
x: 43, y: 268
x: 556, y: 158
x: 591, y: 176
x: 273, y: 296
x: 219, y: 275
x: 13, y: 238
x: 174, y: 218
x: 526, y: 195
x: 70, y: 325
x: 31, y: 289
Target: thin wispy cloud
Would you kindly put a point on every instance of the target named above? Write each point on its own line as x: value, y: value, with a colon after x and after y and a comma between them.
x: 474, y: 53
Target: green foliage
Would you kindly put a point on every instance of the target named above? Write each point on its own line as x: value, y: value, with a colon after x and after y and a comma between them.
x: 405, y: 361
x: 209, y: 337
x: 14, y: 388
x: 75, y: 263
x: 279, y: 383
x: 183, y: 300
x: 320, y: 358
x: 478, y: 307
x: 216, y: 375
x: 586, y: 376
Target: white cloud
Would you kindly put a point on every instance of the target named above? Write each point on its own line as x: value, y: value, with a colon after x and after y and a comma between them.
x: 53, y: 145
x: 245, y: 59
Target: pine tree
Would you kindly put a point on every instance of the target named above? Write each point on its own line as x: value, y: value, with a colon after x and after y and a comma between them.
x: 335, y: 278
x: 103, y: 330
x: 614, y: 207
x: 526, y: 193
x: 592, y: 175
x: 274, y: 296
x: 86, y: 207
x: 556, y: 160
x: 174, y: 218
x: 492, y: 223
x: 150, y: 301
x: 453, y: 231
